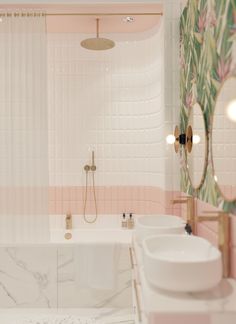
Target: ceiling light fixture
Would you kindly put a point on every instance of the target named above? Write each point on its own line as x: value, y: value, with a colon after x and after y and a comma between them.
x: 128, y: 19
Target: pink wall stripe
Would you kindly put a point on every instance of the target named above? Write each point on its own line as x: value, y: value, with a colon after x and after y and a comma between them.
x: 138, y: 200
x: 112, y: 200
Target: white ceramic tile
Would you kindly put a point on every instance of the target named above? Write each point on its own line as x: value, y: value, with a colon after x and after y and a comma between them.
x: 89, y: 107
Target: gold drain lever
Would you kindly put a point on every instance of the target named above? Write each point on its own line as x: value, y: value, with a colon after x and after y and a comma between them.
x: 68, y: 236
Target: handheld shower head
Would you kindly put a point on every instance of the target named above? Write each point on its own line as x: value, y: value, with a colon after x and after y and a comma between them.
x: 93, y: 166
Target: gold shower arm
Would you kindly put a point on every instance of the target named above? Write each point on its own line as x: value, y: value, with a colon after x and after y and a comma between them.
x: 97, y: 25
x: 37, y: 14
x: 105, y: 14
x: 93, y: 166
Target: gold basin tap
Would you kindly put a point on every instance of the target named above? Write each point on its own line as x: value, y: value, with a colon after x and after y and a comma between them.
x: 189, y: 201
x: 68, y: 221
x: 223, y: 235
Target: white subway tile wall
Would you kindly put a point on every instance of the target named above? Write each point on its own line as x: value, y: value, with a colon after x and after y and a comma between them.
x: 172, y: 12
x: 110, y: 102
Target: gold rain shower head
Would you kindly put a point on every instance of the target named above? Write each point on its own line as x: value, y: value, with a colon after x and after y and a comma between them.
x: 97, y: 43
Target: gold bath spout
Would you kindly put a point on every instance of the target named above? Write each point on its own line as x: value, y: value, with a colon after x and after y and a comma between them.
x: 68, y: 221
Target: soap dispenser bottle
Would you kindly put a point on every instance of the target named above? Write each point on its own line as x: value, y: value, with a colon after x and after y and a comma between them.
x: 130, y: 222
x: 124, y: 221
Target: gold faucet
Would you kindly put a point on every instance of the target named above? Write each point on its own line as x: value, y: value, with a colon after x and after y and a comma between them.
x: 68, y: 221
x: 223, y: 235
x: 189, y: 201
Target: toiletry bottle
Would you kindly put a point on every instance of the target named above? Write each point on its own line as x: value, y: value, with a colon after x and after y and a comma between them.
x: 124, y: 222
x: 130, y: 222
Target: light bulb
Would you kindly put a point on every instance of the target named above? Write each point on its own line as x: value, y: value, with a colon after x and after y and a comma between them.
x: 196, y: 139
x: 231, y: 110
x: 170, y: 139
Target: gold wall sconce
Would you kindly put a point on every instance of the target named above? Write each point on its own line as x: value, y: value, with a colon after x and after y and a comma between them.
x: 185, y: 139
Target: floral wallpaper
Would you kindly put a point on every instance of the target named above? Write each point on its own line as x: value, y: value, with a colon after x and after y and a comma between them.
x: 207, y: 39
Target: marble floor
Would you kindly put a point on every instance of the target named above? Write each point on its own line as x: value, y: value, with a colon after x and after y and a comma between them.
x: 67, y: 316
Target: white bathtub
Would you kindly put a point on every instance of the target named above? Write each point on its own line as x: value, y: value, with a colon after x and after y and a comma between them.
x: 94, y: 236
x: 107, y: 229
x: 49, y: 275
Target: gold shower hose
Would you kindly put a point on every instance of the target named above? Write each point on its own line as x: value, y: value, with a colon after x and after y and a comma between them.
x: 86, y: 197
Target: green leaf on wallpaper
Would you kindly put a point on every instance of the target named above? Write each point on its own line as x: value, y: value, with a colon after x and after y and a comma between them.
x: 183, y: 120
x: 198, y: 37
x: 215, y: 83
x: 232, y: 38
x: 191, y: 12
x: 233, y: 4
x: 211, y: 44
x: 226, y: 45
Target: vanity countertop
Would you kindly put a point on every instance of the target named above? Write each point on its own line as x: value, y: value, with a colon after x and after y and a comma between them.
x: 220, y: 299
x: 157, y: 302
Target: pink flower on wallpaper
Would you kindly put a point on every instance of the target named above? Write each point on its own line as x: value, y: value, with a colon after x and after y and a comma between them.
x: 223, y: 69
x: 202, y: 21
x: 189, y: 100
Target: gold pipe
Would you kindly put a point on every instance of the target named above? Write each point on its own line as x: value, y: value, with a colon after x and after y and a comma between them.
x: 138, y: 301
x: 37, y: 14
x: 223, y: 237
x: 131, y: 258
x: 97, y: 35
x: 106, y: 14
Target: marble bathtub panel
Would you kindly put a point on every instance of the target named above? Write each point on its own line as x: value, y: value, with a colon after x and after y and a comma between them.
x: 28, y: 277
x: 67, y: 316
x: 71, y: 295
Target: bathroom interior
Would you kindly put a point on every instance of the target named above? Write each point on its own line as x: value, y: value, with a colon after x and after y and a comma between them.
x: 118, y: 162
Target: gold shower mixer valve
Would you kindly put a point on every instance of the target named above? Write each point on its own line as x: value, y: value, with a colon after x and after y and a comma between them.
x: 87, y: 168
x: 92, y: 167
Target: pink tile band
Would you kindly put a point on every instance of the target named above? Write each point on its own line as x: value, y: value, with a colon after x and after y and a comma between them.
x: 112, y: 200
x: 138, y: 200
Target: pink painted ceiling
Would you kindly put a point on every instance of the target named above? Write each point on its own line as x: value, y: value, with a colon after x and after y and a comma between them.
x: 86, y: 24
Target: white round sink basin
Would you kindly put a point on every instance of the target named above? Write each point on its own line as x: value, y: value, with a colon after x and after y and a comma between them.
x: 158, y: 224
x: 181, y: 263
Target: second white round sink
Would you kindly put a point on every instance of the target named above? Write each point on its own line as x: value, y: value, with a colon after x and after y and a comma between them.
x: 158, y: 224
